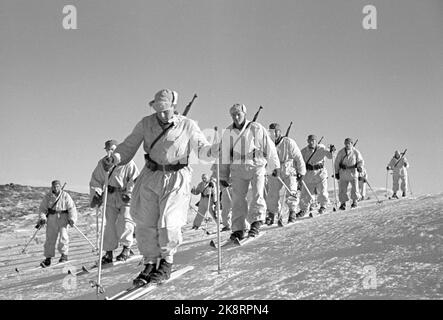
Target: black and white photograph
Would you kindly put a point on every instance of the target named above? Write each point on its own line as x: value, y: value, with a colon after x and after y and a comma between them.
x: 221, y: 156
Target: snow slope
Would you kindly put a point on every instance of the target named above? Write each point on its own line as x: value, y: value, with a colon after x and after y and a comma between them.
x: 391, y: 250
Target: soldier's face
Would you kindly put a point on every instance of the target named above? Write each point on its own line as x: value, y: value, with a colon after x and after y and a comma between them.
x: 348, y: 145
x: 274, y: 134
x: 204, y: 179
x: 312, y: 143
x: 56, y: 188
x: 238, y: 117
x: 110, y: 151
x: 166, y: 115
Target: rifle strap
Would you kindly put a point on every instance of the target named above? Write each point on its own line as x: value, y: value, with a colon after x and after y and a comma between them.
x: 161, y: 135
x: 56, y: 200
x: 402, y: 155
x: 312, y: 154
x: 110, y: 173
x: 242, y: 131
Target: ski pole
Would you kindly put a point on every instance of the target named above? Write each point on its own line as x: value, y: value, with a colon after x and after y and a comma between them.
x: 333, y: 182
x: 279, y: 215
x: 79, y: 231
x: 218, y: 205
x: 97, y: 243
x: 409, y: 184
x: 99, y: 287
x: 378, y: 200
x: 387, y: 174
x: 196, y: 211
x: 228, y: 193
x: 307, y: 190
x: 32, y: 238
x: 207, y: 211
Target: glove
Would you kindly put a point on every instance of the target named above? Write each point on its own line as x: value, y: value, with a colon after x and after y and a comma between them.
x: 405, y: 164
x: 299, y: 177
x: 107, y: 163
x: 41, y: 222
x: 96, y: 200
x: 337, y: 176
x: 71, y: 222
x: 342, y: 166
x: 359, y: 169
x: 211, y: 184
x: 224, y: 183
x: 388, y: 168
x: 126, y: 198
x: 332, y: 148
x: 274, y: 173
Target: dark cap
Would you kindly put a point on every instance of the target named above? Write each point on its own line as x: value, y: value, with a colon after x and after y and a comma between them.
x: 349, y: 140
x: 274, y: 126
x: 55, y: 182
x: 110, y: 143
x: 312, y: 137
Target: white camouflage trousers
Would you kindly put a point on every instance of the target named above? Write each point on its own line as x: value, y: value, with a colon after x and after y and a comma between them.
x: 57, y: 224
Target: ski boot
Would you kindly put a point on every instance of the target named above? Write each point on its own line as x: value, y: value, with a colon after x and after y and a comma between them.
x: 270, y: 219
x: 292, y: 216
x: 46, y: 263
x: 194, y: 228
x: 125, y: 254
x: 254, y: 229
x: 354, y: 204
x: 145, y: 276
x: 343, y: 206
x: 63, y: 258
x: 107, y: 258
x: 162, y: 273
x: 300, y: 214
x: 280, y: 221
x: 240, y: 235
x: 394, y: 196
x: 403, y: 194
x: 321, y: 210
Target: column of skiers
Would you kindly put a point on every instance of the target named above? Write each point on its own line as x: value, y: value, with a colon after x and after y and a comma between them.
x: 153, y: 204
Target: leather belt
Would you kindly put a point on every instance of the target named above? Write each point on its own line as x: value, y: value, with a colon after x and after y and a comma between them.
x: 315, y: 166
x: 154, y: 166
x: 52, y: 211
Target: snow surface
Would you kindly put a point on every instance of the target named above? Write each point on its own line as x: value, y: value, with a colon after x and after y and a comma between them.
x: 391, y: 250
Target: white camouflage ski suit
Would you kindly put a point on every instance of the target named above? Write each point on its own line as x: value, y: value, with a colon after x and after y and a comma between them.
x: 205, y: 204
x: 57, y: 221
x: 245, y: 166
x: 119, y: 226
x: 316, y: 176
x: 351, y: 160
x: 399, y: 171
x: 291, y: 163
x: 160, y: 199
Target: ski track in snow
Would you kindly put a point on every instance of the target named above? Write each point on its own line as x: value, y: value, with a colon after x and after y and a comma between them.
x: 398, y: 243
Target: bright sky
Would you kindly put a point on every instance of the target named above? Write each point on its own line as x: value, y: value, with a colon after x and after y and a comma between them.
x: 64, y: 92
